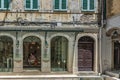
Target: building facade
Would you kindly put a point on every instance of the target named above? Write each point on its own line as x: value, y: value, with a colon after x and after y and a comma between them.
x: 50, y: 36
x: 110, y: 39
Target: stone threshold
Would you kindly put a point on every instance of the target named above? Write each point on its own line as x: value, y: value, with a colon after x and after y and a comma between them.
x: 113, y: 73
x: 17, y: 76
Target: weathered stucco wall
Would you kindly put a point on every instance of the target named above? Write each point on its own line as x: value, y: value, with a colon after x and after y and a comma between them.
x: 113, y: 7
x: 46, y: 12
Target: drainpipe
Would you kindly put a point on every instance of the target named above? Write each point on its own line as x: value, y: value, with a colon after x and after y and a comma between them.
x: 103, y: 19
x: 100, y: 52
x: 100, y: 37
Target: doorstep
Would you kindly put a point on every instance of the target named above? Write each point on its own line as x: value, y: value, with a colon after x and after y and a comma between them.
x: 113, y: 73
x: 43, y: 76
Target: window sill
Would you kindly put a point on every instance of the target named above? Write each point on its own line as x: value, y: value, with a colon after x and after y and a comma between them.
x: 4, y: 9
x: 60, y: 10
x: 88, y: 12
x: 31, y: 10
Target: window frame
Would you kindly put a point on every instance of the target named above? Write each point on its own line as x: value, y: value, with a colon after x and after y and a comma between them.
x: 31, y: 5
x: 60, y: 6
x: 3, y: 6
x: 88, y: 6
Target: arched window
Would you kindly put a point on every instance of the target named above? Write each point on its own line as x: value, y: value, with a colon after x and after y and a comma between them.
x: 85, y: 53
x: 59, y: 52
x: 32, y: 52
x: 6, y: 54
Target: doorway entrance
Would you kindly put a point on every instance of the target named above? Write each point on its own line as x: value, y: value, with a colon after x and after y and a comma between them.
x: 85, y: 54
x: 116, y: 55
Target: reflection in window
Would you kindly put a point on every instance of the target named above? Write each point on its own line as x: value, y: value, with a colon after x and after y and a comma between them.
x: 60, y: 5
x: 32, y: 52
x: 6, y: 54
x: 59, y: 51
x: 31, y: 4
x: 88, y: 5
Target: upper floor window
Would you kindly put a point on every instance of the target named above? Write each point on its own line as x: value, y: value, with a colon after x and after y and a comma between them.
x: 88, y: 5
x: 60, y: 5
x: 4, y: 4
x: 31, y: 4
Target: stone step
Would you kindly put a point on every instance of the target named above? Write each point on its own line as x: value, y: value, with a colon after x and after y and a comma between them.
x: 111, y: 78
x: 49, y: 77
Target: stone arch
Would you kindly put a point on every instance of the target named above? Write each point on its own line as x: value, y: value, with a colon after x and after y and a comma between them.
x: 111, y: 30
x: 85, y: 53
x: 34, y: 48
x: 59, y: 34
x: 94, y: 36
x: 70, y: 51
x: 33, y: 34
x: 8, y: 35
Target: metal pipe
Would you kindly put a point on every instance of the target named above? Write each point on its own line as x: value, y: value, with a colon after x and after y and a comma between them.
x: 45, y: 22
x: 44, y: 30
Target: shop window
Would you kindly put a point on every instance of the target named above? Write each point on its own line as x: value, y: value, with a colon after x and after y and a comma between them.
x: 59, y: 52
x: 6, y: 54
x: 32, y: 53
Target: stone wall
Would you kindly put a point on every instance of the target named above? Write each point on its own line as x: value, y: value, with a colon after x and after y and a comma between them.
x: 113, y: 7
x: 46, y: 12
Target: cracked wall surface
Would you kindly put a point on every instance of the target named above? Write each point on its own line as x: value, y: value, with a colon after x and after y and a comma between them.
x: 113, y: 7
x: 46, y: 12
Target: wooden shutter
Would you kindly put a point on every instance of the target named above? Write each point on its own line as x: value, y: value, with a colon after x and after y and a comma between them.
x: 85, y: 54
x: 28, y: 3
x: 85, y: 57
x: 85, y: 4
x: 92, y: 4
x: 0, y: 3
x: 35, y: 4
x: 6, y: 4
x: 64, y: 4
x: 57, y: 2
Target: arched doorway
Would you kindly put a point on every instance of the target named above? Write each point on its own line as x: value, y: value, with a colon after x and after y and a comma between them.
x: 6, y: 54
x: 32, y: 53
x: 59, y: 52
x: 85, y: 53
x: 116, y: 49
x: 116, y: 54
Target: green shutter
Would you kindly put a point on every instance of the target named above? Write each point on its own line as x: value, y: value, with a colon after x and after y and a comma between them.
x: 6, y: 4
x: 63, y: 4
x: 57, y: 2
x: 0, y: 3
x: 35, y: 4
x: 85, y: 4
x: 91, y: 4
x: 28, y: 3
